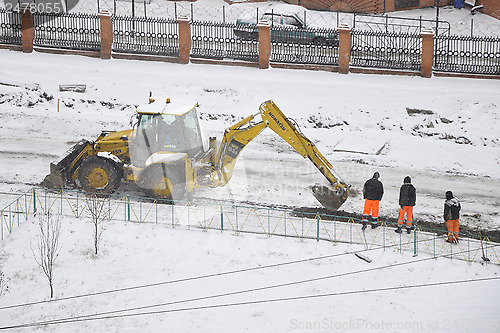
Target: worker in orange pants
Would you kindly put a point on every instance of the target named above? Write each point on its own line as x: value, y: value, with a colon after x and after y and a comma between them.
x: 407, y: 199
x: 453, y: 230
x: 452, y: 216
x: 373, y: 190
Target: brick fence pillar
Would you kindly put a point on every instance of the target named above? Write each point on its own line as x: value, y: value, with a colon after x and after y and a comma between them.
x: 28, y: 29
x: 427, y: 53
x: 184, y: 39
x: 344, y: 48
x: 264, y: 44
x: 106, y: 34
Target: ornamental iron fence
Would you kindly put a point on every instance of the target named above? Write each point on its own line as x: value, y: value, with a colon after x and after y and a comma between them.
x: 471, y: 25
x: 465, y: 54
x: 10, y: 27
x: 319, y: 18
x: 67, y: 31
x: 386, y: 50
x: 270, y: 222
x: 224, y: 40
x: 395, y: 24
x: 145, y: 35
x: 215, y: 40
x: 304, y: 46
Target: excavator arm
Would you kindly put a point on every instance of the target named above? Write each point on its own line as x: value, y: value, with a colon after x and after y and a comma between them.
x: 239, y: 135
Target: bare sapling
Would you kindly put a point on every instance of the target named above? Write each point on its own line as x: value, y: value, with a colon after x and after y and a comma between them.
x: 98, y: 218
x: 2, y: 283
x: 48, y: 246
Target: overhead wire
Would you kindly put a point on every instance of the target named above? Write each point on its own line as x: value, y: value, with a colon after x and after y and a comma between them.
x: 262, y: 301
x: 96, y: 316
x: 239, y: 292
x: 193, y: 278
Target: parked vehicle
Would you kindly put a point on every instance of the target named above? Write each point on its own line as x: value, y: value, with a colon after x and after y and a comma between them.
x: 286, y: 26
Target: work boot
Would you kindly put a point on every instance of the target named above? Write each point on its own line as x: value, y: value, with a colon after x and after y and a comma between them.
x: 399, y: 230
x: 364, y: 226
x: 449, y: 240
x: 408, y: 230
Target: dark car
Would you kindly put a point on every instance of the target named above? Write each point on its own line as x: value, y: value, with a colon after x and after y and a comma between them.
x: 285, y: 27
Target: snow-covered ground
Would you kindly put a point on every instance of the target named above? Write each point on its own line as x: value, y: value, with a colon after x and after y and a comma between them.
x: 456, y: 147
x: 191, y: 280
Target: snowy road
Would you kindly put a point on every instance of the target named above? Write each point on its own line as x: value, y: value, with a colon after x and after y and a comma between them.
x: 34, y: 130
x: 283, y: 179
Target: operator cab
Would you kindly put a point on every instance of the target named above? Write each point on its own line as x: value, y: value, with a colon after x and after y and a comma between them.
x: 166, y: 126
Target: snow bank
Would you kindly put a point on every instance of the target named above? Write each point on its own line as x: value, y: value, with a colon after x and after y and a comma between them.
x: 135, y: 255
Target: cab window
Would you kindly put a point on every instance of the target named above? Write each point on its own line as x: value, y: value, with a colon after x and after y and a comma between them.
x: 291, y: 20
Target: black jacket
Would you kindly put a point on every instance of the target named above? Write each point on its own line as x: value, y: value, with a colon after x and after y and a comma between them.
x: 373, y: 189
x: 407, y: 195
x: 452, y: 209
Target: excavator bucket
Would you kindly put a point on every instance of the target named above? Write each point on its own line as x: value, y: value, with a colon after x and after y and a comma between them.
x: 330, y: 198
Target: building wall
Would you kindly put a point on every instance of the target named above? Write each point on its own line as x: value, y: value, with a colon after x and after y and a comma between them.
x: 373, y: 6
x: 396, y: 5
x: 491, y: 7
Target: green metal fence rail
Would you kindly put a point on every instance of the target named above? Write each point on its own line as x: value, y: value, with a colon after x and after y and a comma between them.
x: 208, y: 215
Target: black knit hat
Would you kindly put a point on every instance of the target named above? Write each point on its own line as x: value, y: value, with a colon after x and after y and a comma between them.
x: 376, y: 175
x: 407, y: 180
x: 449, y: 195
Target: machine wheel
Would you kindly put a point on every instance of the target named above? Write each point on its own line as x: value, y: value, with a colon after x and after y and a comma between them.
x: 98, y: 174
x: 163, y: 181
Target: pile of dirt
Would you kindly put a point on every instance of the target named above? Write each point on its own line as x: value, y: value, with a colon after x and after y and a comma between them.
x: 438, y: 228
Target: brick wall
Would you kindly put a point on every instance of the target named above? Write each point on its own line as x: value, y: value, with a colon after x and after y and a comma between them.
x: 396, y: 5
x: 378, y: 6
x: 491, y: 7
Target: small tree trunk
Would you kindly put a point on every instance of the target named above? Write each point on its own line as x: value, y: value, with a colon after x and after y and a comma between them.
x: 96, y: 238
x: 97, y: 216
x: 48, y: 246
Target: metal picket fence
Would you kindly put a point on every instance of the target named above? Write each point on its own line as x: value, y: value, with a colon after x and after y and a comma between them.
x: 386, y: 50
x: 215, y: 40
x: 68, y: 31
x: 10, y: 27
x: 220, y: 40
x: 145, y: 35
x: 209, y: 215
x: 304, y: 46
x: 466, y: 54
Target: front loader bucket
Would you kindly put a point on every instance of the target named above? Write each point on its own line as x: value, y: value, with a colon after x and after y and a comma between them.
x: 53, y: 181
x: 62, y: 169
x: 329, y: 197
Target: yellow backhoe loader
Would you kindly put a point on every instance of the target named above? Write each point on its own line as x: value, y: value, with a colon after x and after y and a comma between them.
x: 164, y: 155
